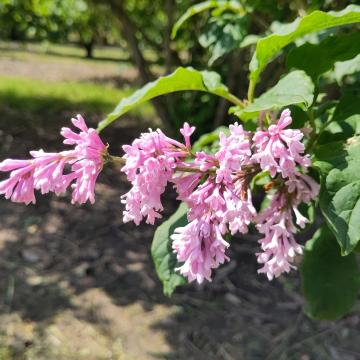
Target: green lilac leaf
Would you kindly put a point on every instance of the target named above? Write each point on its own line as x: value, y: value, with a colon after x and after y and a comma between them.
x: 223, y: 34
x: 221, y: 5
x: 182, y: 79
x: 330, y: 282
x: 295, y: 88
x: 269, y: 46
x: 339, y: 165
x: 344, y: 68
x: 161, y: 250
x: 345, y: 121
x: 331, y: 50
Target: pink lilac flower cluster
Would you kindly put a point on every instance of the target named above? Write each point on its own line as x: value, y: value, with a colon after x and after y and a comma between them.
x: 220, y: 204
x: 55, y: 172
x: 150, y: 164
x: 215, y: 187
x: 278, y: 245
x: 279, y: 151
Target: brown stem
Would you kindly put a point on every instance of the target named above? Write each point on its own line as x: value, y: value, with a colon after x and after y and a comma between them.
x: 248, y: 171
x: 117, y: 160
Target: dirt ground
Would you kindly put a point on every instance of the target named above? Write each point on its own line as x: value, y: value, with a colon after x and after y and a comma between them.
x: 77, y: 283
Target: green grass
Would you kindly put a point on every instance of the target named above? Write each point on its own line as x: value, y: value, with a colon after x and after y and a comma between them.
x: 32, y: 102
x: 58, y: 52
x: 34, y: 96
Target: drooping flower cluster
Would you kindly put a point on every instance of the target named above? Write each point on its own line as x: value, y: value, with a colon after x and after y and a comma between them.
x: 221, y: 204
x: 216, y: 187
x: 280, y: 150
x: 55, y: 172
x: 276, y: 223
x: 150, y: 164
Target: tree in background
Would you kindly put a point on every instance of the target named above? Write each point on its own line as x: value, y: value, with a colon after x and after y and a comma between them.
x: 76, y: 21
x: 223, y: 44
x: 218, y: 36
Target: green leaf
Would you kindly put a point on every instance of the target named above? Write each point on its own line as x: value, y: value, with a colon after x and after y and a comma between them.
x: 330, y: 282
x: 339, y: 166
x: 269, y: 46
x: 223, y: 34
x: 334, y: 48
x: 345, y: 121
x: 210, y: 142
x: 162, y: 254
x: 181, y: 79
x: 345, y: 68
x: 294, y: 88
x: 222, y: 5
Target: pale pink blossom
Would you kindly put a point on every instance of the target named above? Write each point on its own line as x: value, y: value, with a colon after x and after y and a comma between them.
x: 185, y: 183
x: 150, y: 163
x: 201, y: 247
x: 47, y: 171
x: 86, y: 160
x: 144, y: 198
x: 234, y: 152
x: 187, y: 131
x: 278, y: 245
x: 240, y: 211
x: 19, y: 187
x: 280, y: 150
x: 223, y: 199
x: 304, y: 186
x: 226, y: 208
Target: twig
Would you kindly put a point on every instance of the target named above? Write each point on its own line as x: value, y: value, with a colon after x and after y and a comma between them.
x: 118, y: 160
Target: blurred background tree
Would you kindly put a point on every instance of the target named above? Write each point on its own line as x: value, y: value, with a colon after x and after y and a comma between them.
x: 144, y: 27
x: 59, y: 21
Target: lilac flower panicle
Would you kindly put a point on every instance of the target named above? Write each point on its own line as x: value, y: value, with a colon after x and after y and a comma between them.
x: 201, y: 248
x: 46, y: 171
x: 280, y: 150
x: 86, y: 160
x: 234, y: 152
x: 278, y: 245
x: 150, y: 164
x: 220, y: 205
x: 215, y: 187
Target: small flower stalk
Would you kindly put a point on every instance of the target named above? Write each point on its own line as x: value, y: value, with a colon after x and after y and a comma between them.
x: 217, y: 188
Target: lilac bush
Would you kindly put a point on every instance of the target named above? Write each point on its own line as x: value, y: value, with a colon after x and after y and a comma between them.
x: 295, y: 148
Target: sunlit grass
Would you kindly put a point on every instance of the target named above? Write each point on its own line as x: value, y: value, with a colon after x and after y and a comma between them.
x: 28, y: 95
x: 58, y: 52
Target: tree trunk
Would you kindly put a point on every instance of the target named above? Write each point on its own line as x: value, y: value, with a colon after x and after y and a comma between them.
x: 129, y: 30
x: 89, y: 48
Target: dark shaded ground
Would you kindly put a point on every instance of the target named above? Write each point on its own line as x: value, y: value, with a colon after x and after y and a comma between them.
x: 77, y: 283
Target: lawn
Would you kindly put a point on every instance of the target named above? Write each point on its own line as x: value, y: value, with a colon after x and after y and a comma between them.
x: 35, y: 95
x: 57, y: 52
x: 42, y: 82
